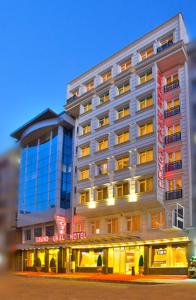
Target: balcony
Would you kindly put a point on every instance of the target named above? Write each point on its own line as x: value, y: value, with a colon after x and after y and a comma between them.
x: 170, y: 195
x: 171, y: 86
x: 176, y: 165
x: 71, y: 99
x: 172, y: 112
x: 173, y: 138
x: 165, y: 46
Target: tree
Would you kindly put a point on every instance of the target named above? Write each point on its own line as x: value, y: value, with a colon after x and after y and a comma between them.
x: 52, y: 263
x: 99, y: 261
x: 141, y: 261
x: 37, y: 262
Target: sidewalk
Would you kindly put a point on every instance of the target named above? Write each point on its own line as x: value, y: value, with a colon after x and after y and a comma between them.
x: 113, y: 278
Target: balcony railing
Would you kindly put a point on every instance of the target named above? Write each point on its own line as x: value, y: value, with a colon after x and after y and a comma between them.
x: 173, y: 166
x: 165, y: 46
x: 171, y: 86
x: 173, y: 138
x: 170, y: 195
x: 71, y: 99
x: 172, y: 112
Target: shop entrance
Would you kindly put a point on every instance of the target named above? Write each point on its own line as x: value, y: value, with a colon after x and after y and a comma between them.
x: 123, y: 261
x: 53, y: 260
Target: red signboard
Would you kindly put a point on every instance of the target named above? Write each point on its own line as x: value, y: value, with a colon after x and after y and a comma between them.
x: 78, y: 235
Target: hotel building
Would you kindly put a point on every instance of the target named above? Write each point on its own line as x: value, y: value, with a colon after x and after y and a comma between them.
x: 132, y: 192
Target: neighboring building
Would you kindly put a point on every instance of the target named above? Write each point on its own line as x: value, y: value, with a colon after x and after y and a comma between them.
x: 132, y: 191
x: 44, y: 212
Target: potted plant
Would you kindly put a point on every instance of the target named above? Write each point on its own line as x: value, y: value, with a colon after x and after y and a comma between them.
x: 37, y: 264
x: 53, y: 265
x: 141, y: 265
x: 99, y: 264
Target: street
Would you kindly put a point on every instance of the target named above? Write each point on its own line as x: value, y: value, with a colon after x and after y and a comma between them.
x: 14, y: 288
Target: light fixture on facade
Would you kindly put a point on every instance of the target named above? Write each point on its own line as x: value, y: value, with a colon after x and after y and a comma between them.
x: 92, y: 204
x: 111, y: 201
x: 132, y: 197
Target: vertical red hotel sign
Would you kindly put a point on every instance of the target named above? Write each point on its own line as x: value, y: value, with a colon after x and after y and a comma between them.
x: 160, y: 130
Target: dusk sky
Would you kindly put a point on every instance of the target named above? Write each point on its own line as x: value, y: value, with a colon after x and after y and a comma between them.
x: 45, y: 44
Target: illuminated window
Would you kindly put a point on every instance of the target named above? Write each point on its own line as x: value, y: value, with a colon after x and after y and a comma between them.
x: 95, y: 227
x: 102, y: 168
x: 103, y: 121
x: 106, y: 76
x: 145, y: 102
x: 145, y: 77
x: 86, y: 129
x: 112, y: 225
x: 84, y: 174
x: 173, y: 104
x: 145, y: 185
x: 146, y: 53
x: 174, y: 156
x: 122, y: 163
x: 123, y: 112
x: 145, y: 156
x: 172, y: 78
x: 174, y: 129
x: 79, y: 227
x: 30, y: 258
x: 89, y: 85
x: 123, y: 88
x: 146, y: 128
x: 102, y: 193
x: 122, y: 189
x: 104, y: 98
x: 123, y: 137
x: 85, y: 150
x: 174, y: 184
x: 103, y: 144
x: 157, y: 219
x: 133, y: 223
x: 84, y: 197
x: 125, y: 65
x: 87, y: 107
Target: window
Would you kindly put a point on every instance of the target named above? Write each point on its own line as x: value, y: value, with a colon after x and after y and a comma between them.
x: 50, y: 230
x: 86, y: 129
x: 123, y: 112
x: 37, y: 232
x: 174, y: 184
x: 146, y: 128
x: 75, y: 92
x: 103, y: 121
x: 123, y: 137
x: 173, y: 104
x: 122, y: 189
x: 125, y: 65
x: 145, y: 77
x: 157, y: 219
x: 172, y: 78
x: 112, y: 225
x: 106, y: 76
x: 87, y: 107
x: 122, y: 163
x: 123, y: 88
x: 174, y: 129
x: 95, y: 227
x: 102, y: 193
x: 103, y: 144
x: 146, y: 53
x: 79, y: 227
x: 104, y: 98
x: 167, y: 40
x: 133, y: 223
x: 145, y: 156
x: 84, y: 197
x: 84, y: 174
x: 145, y: 102
x: 89, y: 85
x: 174, y: 156
x: 102, y: 168
x: 28, y: 234
x: 85, y: 150
x: 146, y: 185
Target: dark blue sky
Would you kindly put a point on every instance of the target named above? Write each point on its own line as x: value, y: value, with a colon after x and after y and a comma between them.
x: 44, y: 44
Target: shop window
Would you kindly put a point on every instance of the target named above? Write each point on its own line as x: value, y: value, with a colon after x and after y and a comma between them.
x: 122, y: 189
x: 41, y: 256
x: 50, y: 230
x: 102, y: 193
x: 157, y: 219
x: 133, y: 223
x: 122, y: 137
x: 112, y: 225
x: 88, y: 258
x: 122, y: 163
x: 179, y: 256
x: 38, y: 232
x: 145, y: 102
x: 146, y: 185
x: 146, y: 128
x: 159, y: 256
x: 145, y: 156
x: 30, y: 258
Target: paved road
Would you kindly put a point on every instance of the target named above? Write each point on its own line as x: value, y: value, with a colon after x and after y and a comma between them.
x: 55, y: 289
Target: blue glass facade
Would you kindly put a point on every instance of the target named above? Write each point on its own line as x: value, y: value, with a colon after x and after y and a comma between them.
x: 39, y: 172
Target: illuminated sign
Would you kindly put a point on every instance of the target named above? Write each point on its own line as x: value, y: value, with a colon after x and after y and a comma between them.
x: 61, y: 225
x: 160, y: 130
x: 161, y: 252
x: 78, y: 235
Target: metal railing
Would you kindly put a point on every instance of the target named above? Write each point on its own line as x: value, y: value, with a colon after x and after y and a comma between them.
x: 173, y: 166
x: 173, y: 138
x: 170, y: 195
x: 164, y: 46
x: 172, y: 111
x: 171, y: 86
